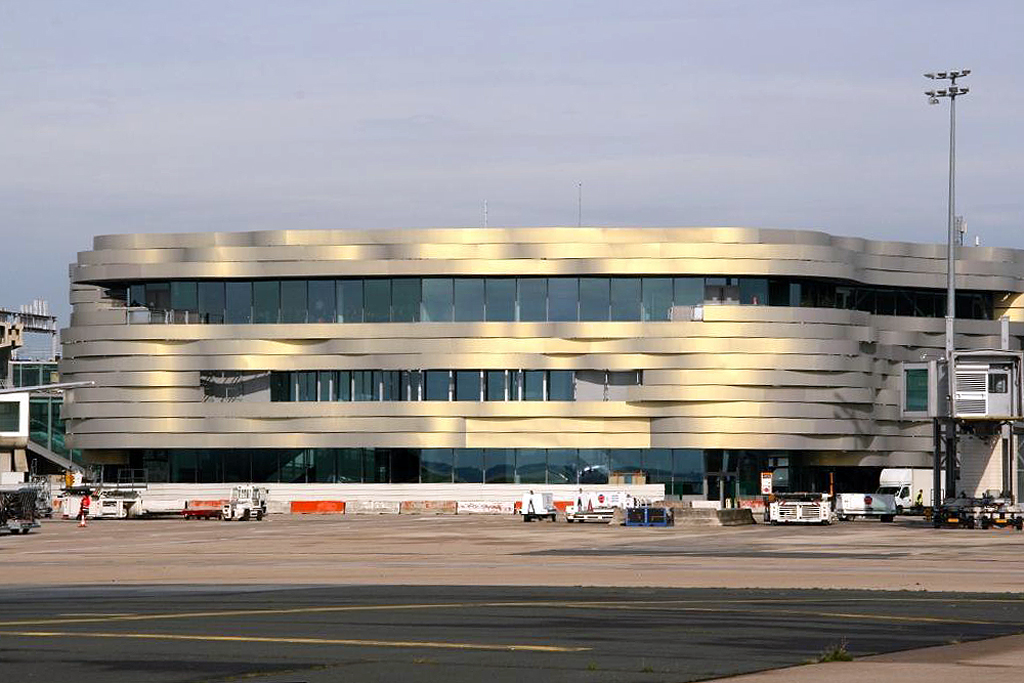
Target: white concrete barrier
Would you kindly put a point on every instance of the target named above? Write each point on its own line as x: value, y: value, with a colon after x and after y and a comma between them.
x: 484, y: 507
x: 373, y: 507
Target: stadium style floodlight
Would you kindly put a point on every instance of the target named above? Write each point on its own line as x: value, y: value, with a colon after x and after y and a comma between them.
x: 952, y: 91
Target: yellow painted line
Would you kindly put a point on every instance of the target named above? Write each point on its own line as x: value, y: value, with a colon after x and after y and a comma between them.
x: 299, y: 641
x: 643, y: 605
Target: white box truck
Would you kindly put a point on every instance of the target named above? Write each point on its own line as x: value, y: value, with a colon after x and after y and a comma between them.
x: 905, y: 483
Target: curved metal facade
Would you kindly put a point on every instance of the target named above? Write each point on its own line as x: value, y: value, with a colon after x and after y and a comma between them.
x: 817, y: 380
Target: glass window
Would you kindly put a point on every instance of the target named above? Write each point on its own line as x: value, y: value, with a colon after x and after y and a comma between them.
x: 657, y: 463
x: 184, y: 296
x: 687, y: 472
x: 998, y: 383
x: 10, y: 416
x: 392, y: 385
x: 626, y: 460
x: 500, y: 464
x: 137, y: 295
x: 237, y: 466
x: 496, y: 385
x: 266, y: 301
x: 437, y: 300
x: 343, y: 386
x: 915, y: 381
x: 501, y: 299
x: 561, y: 385
x: 410, y: 385
x: 405, y: 462
x: 657, y: 294
x: 322, y: 470
x: 280, y: 386
x: 754, y: 291
x: 322, y: 301
x: 594, y: 298
x: 158, y: 296
x: 405, y: 300
x: 533, y: 385
x: 531, y: 466
x: 238, y: 303
x: 563, y: 298
x: 350, y: 301
x: 436, y: 465
x: 326, y: 380
x: 264, y: 466
x: 305, y: 386
x: 533, y: 299
x: 211, y: 302
x: 377, y: 465
x: 688, y: 291
x: 467, y: 385
x: 436, y: 385
x: 593, y: 466
x: 293, y: 301
x: 377, y: 301
x: 562, y: 464
x: 208, y: 467
x: 469, y: 466
x: 363, y: 386
x: 349, y: 466
x: 626, y: 298
x: 469, y: 299
x: 885, y: 302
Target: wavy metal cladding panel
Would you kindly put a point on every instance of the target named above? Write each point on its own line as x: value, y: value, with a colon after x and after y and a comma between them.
x: 821, y: 380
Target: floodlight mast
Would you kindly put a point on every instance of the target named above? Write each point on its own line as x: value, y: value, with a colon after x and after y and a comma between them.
x: 952, y: 92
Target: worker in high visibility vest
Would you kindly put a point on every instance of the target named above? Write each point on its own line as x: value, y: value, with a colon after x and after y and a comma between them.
x: 83, y: 509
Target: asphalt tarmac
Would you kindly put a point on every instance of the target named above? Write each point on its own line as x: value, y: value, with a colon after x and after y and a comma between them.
x: 279, y: 634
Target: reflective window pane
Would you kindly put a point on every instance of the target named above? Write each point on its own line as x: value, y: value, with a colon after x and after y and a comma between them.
x: 436, y: 465
x: 469, y: 299
x: 533, y: 385
x: 438, y: 293
x: 533, y: 299
x: 562, y: 464
x: 363, y: 388
x: 411, y: 380
x: 687, y: 472
x: 322, y: 301
x: 392, y: 386
x: 238, y: 303
x: 293, y: 301
x: 689, y: 291
x: 625, y: 460
x: 343, y: 386
x: 305, y: 386
x: 625, y: 298
x: 280, y: 386
x: 405, y: 300
x: 158, y: 296
x: 593, y: 466
x: 754, y: 291
x: 326, y: 380
x: 594, y: 298
x: 469, y: 466
x: 657, y: 293
x: 266, y: 301
x: 377, y: 301
x: 657, y: 463
x: 500, y: 299
x: 350, y: 301
x: 349, y: 466
x: 560, y: 385
x: 531, y: 466
x: 184, y: 296
x: 467, y: 385
x: 435, y: 385
x: 495, y: 385
x: 563, y: 298
x: 137, y: 295
x: 322, y: 471
x: 211, y: 302
x: 500, y: 465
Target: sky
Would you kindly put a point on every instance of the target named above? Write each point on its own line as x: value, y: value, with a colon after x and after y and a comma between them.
x: 154, y: 116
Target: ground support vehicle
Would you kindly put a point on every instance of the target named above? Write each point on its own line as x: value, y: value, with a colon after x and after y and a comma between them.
x: 648, y: 515
x: 247, y: 502
x: 987, y: 512
x: 881, y: 506
x: 800, y: 508
x: 597, y: 506
x: 905, y: 483
x: 18, y: 509
x: 538, y: 506
x: 204, y: 512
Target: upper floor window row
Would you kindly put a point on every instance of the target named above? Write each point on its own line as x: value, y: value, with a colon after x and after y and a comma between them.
x: 510, y: 299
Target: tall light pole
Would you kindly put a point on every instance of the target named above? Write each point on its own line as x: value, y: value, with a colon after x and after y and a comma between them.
x: 952, y: 92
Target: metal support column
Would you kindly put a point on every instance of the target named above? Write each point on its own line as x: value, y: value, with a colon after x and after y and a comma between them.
x: 937, y: 465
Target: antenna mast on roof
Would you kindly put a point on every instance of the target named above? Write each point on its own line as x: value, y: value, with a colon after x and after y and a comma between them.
x: 579, y: 204
x: 485, y: 213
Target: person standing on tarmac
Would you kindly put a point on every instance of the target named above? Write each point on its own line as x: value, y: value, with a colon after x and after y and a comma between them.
x: 919, y: 501
x: 83, y: 509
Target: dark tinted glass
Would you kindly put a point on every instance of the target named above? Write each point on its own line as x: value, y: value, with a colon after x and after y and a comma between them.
x: 326, y: 379
x: 405, y: 300
x: 562, y: 466
x: 533, y: 299
x: 211, y: 302
x: 137, y: 295
x: 184, y: 296
x: 435, y: 385
x: 467, y: 385
x: 754, y: 291
x: 280, y: 386
x: 392, y: 385
x: 469, y: 299
x: 305, y: 386
x: 350, y: 301
x: 500, y: 464
x: 533, y: 385
x: 657, y: 293
x: 593, y: 466
x: 563, y: 297
x: 626, y: 298
x: 689, y: 291
x: 322, y: 301
x: 594, y: 298
x: 437, y: 300
x: 363, y: 388
x: 293, y: 301
x: 531, y: 466
x: 560, y: 385
x: 349, y: 465
x: 377, y: 301
x: 343, y: 386
x: 469, y: 466
x: 158, y: 296
x: 501, y: 299
x: 266, y: 301
x: 238, y: 303
x: 495, y: 385
x: 436, y: 465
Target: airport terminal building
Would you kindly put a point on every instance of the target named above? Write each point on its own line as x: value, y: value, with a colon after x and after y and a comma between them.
x: 542, y: 356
